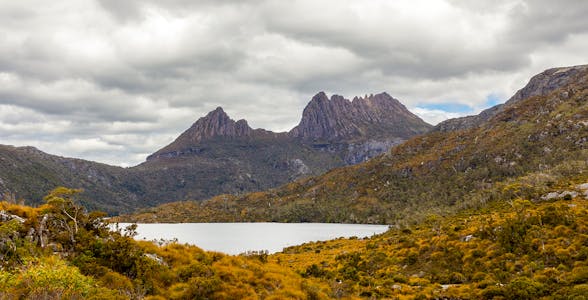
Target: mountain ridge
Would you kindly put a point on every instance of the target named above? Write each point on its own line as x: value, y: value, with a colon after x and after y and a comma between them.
x: 218, y: 155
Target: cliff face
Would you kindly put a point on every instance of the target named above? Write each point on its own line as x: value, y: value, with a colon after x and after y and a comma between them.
x: 363, y: 118
x: 539, y: 85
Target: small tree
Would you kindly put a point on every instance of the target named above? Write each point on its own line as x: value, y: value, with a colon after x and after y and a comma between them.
x: 65, y: 213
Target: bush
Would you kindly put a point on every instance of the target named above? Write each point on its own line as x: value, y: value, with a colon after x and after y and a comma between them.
x: 580, y: 275
x: 51, y: 278
x: 524, y: 288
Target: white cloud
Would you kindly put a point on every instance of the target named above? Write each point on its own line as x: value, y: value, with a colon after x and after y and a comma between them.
x: 434, y: 116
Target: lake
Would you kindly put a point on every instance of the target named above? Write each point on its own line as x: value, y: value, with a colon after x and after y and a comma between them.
x: 236, y: 238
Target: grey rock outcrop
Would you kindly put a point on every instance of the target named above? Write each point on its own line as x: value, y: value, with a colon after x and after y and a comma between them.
x: 360, y: 152
x: 6, y: 217
x: 216, y: 123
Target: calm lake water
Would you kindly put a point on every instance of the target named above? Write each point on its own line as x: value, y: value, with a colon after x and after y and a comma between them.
x: 235, y: 238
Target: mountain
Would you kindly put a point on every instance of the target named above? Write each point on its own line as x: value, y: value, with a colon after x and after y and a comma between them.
x: 521, y: 149
x: 218, y: 155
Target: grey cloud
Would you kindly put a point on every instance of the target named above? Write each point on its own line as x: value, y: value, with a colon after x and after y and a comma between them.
x: 420, y: 49
x: 109, y: 74
x: 543, y: 22
x: 133, y: 10
x: 122, y: 10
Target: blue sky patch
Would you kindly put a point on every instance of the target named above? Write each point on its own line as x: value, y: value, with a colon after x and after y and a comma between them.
x: 454, y: 107
x: 493, y: 99
x: 448, y: 107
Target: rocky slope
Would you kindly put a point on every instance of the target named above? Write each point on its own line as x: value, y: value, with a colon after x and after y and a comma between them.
x: 218, y: 155
x: 535, y: 140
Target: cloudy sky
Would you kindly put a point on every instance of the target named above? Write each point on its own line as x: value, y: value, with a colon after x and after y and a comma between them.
x: 114, y: 81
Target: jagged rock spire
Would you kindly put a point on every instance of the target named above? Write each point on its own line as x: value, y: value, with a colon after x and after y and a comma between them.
x: 337, y: 118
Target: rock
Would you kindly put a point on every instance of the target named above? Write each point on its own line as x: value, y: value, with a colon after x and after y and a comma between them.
x: 360, y: 152
x: 5, y: 217
x: 467, y: 238
x: 583, y: 188
x: 559, y: 195
x: 299, y: 167
x: 156, y: 258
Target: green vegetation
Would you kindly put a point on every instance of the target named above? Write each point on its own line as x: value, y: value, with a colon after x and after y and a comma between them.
x: 516, y: 249
x: 521, y: 250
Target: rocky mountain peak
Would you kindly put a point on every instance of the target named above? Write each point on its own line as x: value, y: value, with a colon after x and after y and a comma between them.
x: 215, y: 124
x: 548, y: 81
x: 339, y: 118
x: 218, y: 114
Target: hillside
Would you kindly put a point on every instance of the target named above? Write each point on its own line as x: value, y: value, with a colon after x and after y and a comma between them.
x: 228, y: 165
x: 521, y: 250
x: 540, y: 138
x: 28, y: 174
